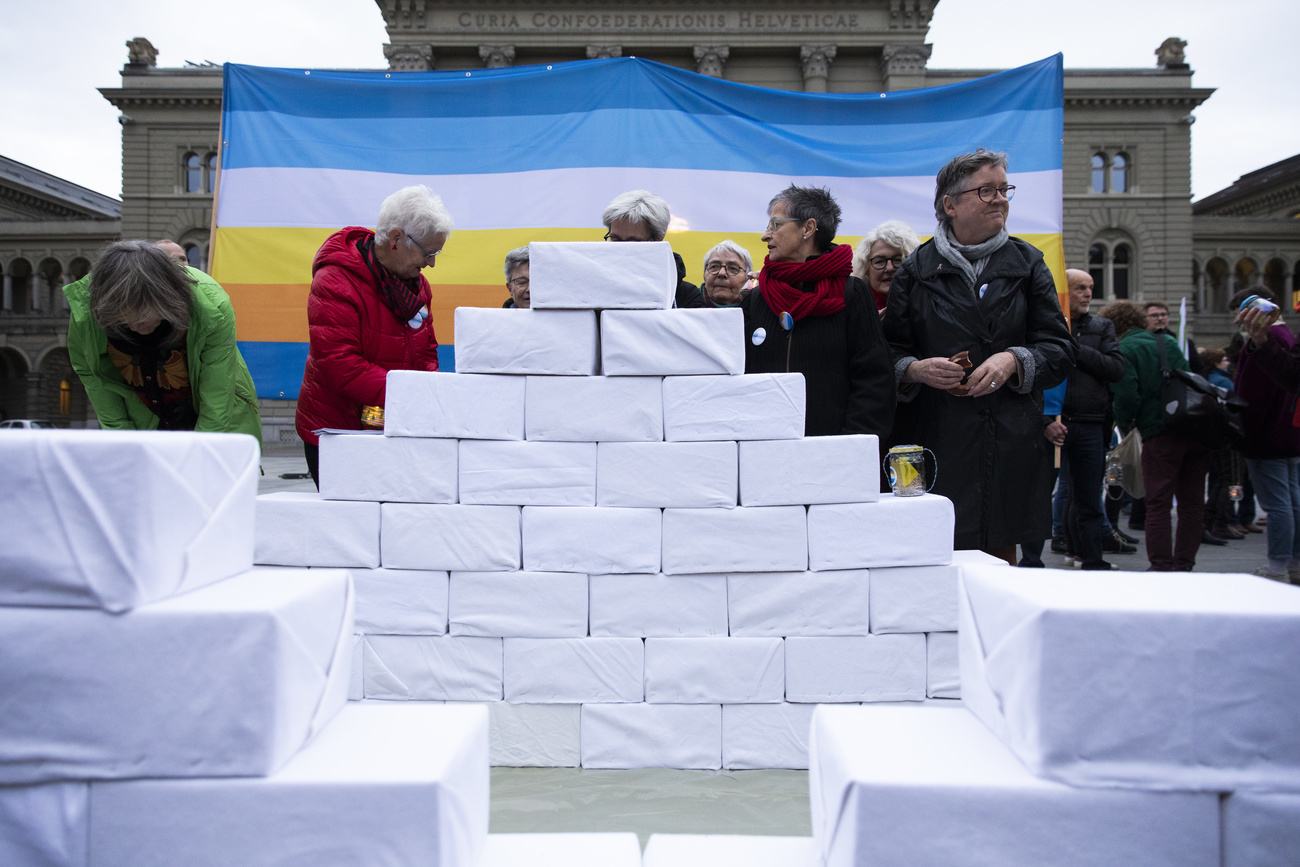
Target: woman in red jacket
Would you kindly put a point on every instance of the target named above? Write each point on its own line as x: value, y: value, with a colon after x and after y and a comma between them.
x: 368, y: 313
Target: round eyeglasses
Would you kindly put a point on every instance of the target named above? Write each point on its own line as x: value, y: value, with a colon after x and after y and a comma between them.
x: 732, y: 269
x: 989, y: 195
x: 879, y: 262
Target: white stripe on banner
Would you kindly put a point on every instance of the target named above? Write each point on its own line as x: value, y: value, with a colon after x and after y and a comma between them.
x: 709, y: 201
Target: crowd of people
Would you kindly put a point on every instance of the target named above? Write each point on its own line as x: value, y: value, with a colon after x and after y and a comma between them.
x: 948, y: 344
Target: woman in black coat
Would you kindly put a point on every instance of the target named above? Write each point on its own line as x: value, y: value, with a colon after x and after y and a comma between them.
x: 974, y: 289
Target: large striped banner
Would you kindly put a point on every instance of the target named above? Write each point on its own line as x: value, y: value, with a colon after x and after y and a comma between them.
x: 535, y: 153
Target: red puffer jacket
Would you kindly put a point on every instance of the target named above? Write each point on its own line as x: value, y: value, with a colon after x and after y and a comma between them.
x: 355, y: 339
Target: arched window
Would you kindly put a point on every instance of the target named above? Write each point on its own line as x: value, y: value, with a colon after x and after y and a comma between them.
x: 1097, y: 269
x: 192, y: 173
x: 1099, y: 173
x: 1119, y: 174
x: 210, y: 173
x: 1111, y: 173
x: 1119, y: 271
x: 1111, y: 264
x: 194, y: 256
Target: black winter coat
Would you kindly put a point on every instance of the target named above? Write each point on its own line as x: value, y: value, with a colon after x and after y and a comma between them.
x: 688, y: 294
x: 994, y: 462
x: 1097, y: 361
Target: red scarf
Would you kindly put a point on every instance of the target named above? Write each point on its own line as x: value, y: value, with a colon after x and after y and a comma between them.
x: 777, y: 281
x: 881, y: 299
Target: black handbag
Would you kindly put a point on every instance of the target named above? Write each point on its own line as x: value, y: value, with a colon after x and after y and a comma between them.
x: 1194, y: 409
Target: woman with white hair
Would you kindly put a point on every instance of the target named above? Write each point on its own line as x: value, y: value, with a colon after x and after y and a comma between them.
x: 727, y: 270
x: 640, y: 215
x: 879, y: 255
x: 517, y: 278
x: 368, y: 313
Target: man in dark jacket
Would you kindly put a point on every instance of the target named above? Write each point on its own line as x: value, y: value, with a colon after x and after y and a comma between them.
x: 640, y: 215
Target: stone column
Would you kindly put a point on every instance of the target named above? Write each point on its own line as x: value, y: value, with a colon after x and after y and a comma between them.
x: 1200, y: 293
x: 8, y: 293
x: 604, y: 52
x: 497, y: 56
x: 39, y: 289
x: 710, y: 59
x: 816, y: 66
x: 903, y: 66
x: 35, y: 409
x: 409, y: 58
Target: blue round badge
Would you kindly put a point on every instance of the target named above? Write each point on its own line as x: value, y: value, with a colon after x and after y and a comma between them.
x: 759, y: 335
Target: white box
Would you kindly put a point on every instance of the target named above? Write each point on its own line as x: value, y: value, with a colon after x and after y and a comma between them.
x: 594, y: 409
x: 433, y: 668
x: 451, y: 537
x: 896, y: 531
x: 591, y: 539
x: 1155, y: 680
x: 919, y: 598
x: 535, y: 735
x: 942, y: 673
x: 766, y: 735
x: 562, y: 850
x: 672, y: 342
x: 855, y: 668
x: 684, y: 475
x: 917, y: 786
x: 45, y: 825
x: 295, y: 528
x: 528, y: 473
x: 729, y: 850
x: 1261, y: 829
x: 685, y: 736
x: 380, y: 785
x: 799, y: 603
x: 574, y: 670
x: 594, y: 275
x: 370, y: 466
x: 356, y: 668
x: 228, y: 680
x: 759, y: 539
x: 551, y: 342
x: 714, y: 670
x: 116, y: 519
x: 834, y: 469
x: 751, y: 406
x: 401, y: 601
x: 519, y: 604
x: 463, y: 406
x: 658, y: 605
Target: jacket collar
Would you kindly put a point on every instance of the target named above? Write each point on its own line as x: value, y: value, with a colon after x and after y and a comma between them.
x: 1007, y: 261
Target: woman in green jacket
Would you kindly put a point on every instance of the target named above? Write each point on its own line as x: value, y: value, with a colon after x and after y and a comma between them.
x: 154, y: 344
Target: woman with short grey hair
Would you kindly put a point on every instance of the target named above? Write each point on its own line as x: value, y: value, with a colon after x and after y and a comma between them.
x: 640, y: 215
x: 727, y: 273
x: 880, y: 253
x: 516, y: 269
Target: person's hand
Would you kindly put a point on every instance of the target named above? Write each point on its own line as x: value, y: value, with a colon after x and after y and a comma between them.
x: 937, y: 372
x: 1055, y: 433
x: 992, y: 375
x: 1256, y: 324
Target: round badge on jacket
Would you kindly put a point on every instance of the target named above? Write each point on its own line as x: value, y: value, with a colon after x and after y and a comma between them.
x: 759, y: 335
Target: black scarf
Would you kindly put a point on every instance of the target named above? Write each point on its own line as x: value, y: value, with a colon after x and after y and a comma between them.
x: 400, y: 296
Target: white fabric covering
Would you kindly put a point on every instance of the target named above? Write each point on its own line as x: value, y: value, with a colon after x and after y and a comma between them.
x: 918, y: 598
x: 943, y: 676
x: 535, y: 735
x: 1158, y: 680
x: 116, y: 519
x: 562, y: 850
x: 450, y: 537
x: 751, y: 406
x: 672, y: 342
x: 302, y: 529
x: 766, y: 735
x: 453, y: 405
x: 45, y: 825
x: 659, y: 605
x: 380, y: 785
x: 758, y: 539
x: 652, y: 736
x: 595, y: 275
x: 917, y: 786
x: 729, y: 850
x: 528, y: 473
x: 855, y: 668
x: 799, y: 603
x: 1261, y: 829
x: 356, y: 668
x: 591, y: 539
x: 401, y: 601
x: 230, y: 679
x: 397, y: 469
x: 433, y: 667
x: 574, y: 670
x: 685, y: 475
x: 594, y: 408
x: 550, y: 342
x: 895, y: 531
x: 519, y: 604
x: 836, y: 469
x: 714, y: 670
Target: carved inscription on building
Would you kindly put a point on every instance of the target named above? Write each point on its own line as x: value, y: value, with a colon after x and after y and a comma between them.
x: 542, y: 21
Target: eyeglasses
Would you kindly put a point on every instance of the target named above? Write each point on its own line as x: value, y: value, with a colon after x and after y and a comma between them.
x: 776, y: 221
x: 420, y: 247
x: 519, y: 282
x: 610, y: 236
x: 732, y: 269
x: 989, y: 195
x: 879, y: 262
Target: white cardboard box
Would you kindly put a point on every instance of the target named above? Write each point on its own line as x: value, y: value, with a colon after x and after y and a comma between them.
x: 401, y: 601
x: 943, y: 675
x: 714, y: 670
x: 454, y: 405
x: 519, y: 604
x: 899, y: 785
x: 370, y: 466
x: 799, y: 603
x: 295, y: 528
x: 672, y: 342
x: 594, y: 275
x: 380, y: 785
x: 356, y: 668
x: 751, y: 406
x: 652, y: 736
x: 658, y: 605
x: 758, y: 736
x: 562, y: 850
x: 1261, y: 829
x: 1144, y: 679
x: 433, y: 668
x: 683, y: 475
x: 855, y: 668
x: 591, y: 539
x: 574, y: 670
x: 228, y: 680
x: 548, y: 342
x: 758, y: 539
x: 535, y: 735
x: 451, y: 537
x: 594, y: 409
x: 921, y: 598
x: 46, y: 825
x: 834, y: 469
x: 76, y: 536
x: 729, y: 850
x: 895, y: 531
x: 528, y: 473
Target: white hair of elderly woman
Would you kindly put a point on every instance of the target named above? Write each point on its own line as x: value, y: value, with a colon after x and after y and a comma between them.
x: 416, y: 211
x: 640, y: 206
x: 730, y: 246
x: 895, y: 233
x: 516, y: 257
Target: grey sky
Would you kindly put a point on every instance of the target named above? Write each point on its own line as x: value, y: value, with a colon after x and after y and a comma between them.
x: 56, y: 55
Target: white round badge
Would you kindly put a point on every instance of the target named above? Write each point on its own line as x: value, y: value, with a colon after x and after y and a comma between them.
x: 759, y: 335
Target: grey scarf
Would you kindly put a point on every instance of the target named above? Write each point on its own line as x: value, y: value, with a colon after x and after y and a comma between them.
x: 970, y: 260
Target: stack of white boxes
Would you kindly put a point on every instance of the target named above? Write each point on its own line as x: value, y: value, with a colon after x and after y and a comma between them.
x: 604, y: 528
x: 162, y: 702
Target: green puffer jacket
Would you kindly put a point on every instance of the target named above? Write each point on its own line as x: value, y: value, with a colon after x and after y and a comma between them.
x: 223, y: 390
x: 1137, y: 394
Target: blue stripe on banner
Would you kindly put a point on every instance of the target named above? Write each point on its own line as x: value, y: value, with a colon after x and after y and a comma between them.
x: 446, y: 358
x: 279, y: 367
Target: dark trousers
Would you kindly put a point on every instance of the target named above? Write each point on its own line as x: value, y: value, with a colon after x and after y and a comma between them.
x: 312, y: 454
x: 1173, y: 467
x: 1224, y: 471
x: 1084, y: 458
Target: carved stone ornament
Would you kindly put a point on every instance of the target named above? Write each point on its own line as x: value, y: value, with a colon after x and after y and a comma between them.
x: 904, y: 59
x: 409, y: 58
x: 816, y: 60
x: 604, y: 52
x: 497, y: 56
x: 709, y: 59
x: 140, y: 52
x: 1170, y: 53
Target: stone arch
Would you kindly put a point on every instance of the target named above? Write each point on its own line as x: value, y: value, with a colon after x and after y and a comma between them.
x: 56, y: 369
x: 49, y: 279
x: 1218, y: 288
x: 1275, y: 277
x: 1109, y: 225
x: 18, y: 285
x: 13, y: 382
x: 79, y: 267
x: 190, y: 228
x: 1246, y: 273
